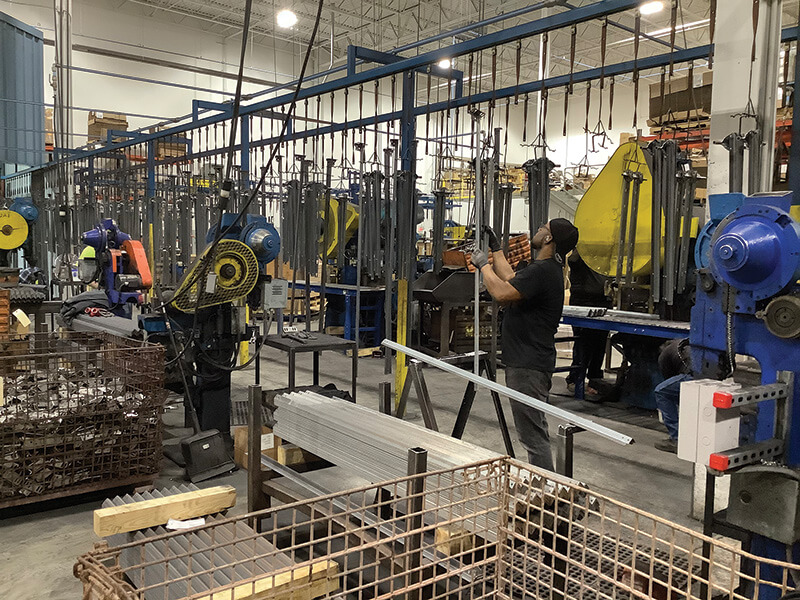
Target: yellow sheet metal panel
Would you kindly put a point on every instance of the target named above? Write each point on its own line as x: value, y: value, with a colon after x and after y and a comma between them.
x: 599, y: 211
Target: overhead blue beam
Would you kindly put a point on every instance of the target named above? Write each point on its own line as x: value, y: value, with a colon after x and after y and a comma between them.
x: 566, y: 19
x: 512, y: 34
x: 651, y: 62
x: 356, y: 53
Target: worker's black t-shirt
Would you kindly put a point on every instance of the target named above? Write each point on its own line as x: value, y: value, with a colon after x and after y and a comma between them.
x: 530, y: 325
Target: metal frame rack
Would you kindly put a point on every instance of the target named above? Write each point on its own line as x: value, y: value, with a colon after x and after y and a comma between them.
x: 150, y: 181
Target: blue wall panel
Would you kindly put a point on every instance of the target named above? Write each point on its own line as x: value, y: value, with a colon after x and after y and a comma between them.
x: 21, y: 93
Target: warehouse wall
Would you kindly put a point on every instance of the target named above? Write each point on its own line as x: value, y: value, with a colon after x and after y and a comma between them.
x: 96, y: 23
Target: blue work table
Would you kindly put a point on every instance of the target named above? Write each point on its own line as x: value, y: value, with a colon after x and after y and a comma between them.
x: 641, y: 352
x: 646, y: 327
x: 372, y: 300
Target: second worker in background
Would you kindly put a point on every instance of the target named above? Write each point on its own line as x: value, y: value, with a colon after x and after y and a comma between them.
x: 534, y: 299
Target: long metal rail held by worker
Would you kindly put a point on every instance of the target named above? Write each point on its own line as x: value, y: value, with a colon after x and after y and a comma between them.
x: 548, y: 409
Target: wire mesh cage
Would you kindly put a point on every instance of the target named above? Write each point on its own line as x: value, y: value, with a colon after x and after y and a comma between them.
x: 79, y: 411
x: 496, y: 529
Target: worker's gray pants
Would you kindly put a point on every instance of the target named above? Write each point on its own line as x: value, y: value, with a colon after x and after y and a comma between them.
x: 531, y: 424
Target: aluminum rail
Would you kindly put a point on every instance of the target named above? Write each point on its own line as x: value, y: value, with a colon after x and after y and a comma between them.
x: 549, y: 409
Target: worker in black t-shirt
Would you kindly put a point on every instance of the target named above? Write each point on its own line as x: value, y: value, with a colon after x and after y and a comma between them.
x: 534, y: 299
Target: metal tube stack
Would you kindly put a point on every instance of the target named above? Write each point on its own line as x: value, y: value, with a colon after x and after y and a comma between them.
x: 365, y: 441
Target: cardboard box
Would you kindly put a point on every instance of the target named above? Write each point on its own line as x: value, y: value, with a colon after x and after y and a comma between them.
x: 168, y: 149
x: 100, y: 123
x: 269, y: 445
x: 49, y: 130
x: 20, y: 322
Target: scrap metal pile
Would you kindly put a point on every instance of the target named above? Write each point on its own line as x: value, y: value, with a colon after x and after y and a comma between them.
x: 85, y: 414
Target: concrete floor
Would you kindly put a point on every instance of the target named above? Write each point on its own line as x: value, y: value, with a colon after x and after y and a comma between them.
x: 39, y: 544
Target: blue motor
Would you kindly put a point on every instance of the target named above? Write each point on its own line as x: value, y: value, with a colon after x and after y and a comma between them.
x: 257, y: 233
x: 756, y: 249
x: 262, y: 238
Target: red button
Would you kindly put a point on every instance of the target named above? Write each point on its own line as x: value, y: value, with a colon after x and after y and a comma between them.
x: 723, y: 399
x: 719, y: 462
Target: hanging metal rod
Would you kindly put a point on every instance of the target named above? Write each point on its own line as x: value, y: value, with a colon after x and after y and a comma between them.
x: 549, y: 409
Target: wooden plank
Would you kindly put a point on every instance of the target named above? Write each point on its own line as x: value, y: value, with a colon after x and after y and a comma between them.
x: 303, y: 583
x: 451, y: 540
x: 291, y: 455
x: 151, y: 513
x: 364, y: 352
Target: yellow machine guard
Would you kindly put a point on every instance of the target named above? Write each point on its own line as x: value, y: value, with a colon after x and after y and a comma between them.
x: 331, y: 223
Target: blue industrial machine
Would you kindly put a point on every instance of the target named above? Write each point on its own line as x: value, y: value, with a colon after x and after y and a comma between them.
x: 204, y: 309
x: 748, y: 303
x: 257, y: 233
x: 122, y: 267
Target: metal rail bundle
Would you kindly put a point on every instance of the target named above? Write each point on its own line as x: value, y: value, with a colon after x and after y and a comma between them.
x: 673, y: 201
x: 410, y: 537
x: 368, y: 442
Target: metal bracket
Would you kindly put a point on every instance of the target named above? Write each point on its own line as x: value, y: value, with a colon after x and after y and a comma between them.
x: 565, y: 446
x: 730, y: 460
x: 773, y: 391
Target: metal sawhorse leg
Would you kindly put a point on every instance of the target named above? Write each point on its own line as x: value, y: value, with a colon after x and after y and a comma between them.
x: 466, y: 407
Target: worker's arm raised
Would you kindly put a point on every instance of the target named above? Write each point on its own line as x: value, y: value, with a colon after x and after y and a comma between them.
x: 501, y: 266
x: 500, y: 290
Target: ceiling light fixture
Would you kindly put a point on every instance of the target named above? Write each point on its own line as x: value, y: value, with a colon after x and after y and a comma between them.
x: 444, y: 63
x: 651, y: 8
x: 286, y: 19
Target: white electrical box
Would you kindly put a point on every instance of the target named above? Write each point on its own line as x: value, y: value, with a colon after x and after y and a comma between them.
x: 704, y: 429
x: 276, y: 292
x: 687, y: 420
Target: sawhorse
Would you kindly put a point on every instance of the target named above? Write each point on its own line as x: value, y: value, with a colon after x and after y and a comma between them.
x: 416, y: 378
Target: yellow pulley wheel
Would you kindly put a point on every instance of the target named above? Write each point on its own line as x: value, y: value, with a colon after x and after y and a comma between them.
x: 235, y: 275
x: 13, y: 230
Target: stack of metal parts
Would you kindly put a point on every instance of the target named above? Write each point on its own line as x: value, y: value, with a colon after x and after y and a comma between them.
x: 79, y: 412
x: 196, y: 561
x: 673, y: 195
x: 363, y: 440
x: 302, y: 222
x: 369, y: 223
x: 50, y: 433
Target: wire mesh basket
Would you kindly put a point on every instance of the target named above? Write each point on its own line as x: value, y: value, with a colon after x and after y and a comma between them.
x: 79, y: 411
x: 496, y: 529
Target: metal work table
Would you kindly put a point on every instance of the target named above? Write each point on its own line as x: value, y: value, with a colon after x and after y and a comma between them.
x: 648, y: 327
x: 349, y: 292
x: 320, y: 343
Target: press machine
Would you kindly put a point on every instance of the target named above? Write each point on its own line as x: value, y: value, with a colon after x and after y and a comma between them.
x: 748, y: 303
x: 207, y: 309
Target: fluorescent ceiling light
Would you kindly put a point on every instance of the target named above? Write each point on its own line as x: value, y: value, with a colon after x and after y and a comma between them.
x: 651, y: 8
x: 286, y: 19
x: 444, y: 63
x: 663, y: 32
